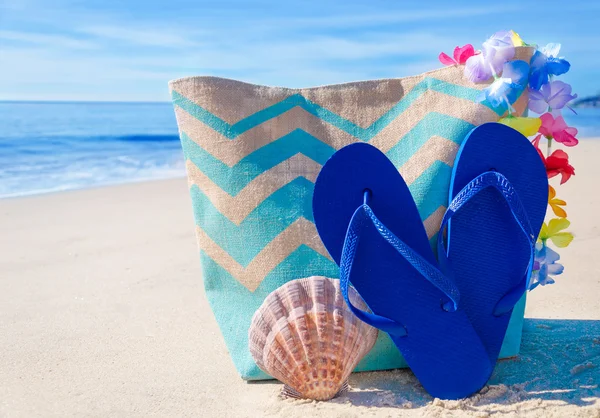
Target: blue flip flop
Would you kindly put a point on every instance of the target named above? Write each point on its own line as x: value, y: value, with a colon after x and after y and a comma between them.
x: 498, y: 200
x: 370, y: 225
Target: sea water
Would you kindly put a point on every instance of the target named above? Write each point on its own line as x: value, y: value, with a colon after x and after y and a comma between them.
x: 46, y: 147
x: 51, y: 146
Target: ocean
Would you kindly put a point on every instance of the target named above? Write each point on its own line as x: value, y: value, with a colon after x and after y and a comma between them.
x: 51, y: 146
x: 48, y: 147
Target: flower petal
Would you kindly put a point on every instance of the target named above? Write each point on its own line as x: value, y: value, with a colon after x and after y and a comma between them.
x: 551, y: 50
x: 562, y: 239
x: 555, y: 204
x: 476, y: 69
x: 556, y: 225
x: 462, y: 54
x: 538, y: 78
x: 558, y: 94
x: 547, y: 124
x: 539, y: 74
x: 537, y: 102
x: 563, y: 133
x: 558, y: 211
x: 547, y: 280
x: 555, y: 269
x: 445, y: 59
x: 558, y: 163
x: 557, y: 66
x: 527, y: 126
x: 516, y: 39
x: 566, y: 138
x: 551, y: 256
x: 543, y: 233
x: 538, y: 59
x: 517, y: 71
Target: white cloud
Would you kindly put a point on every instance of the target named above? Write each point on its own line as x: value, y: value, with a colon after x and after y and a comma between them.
x: 58, y: 41
x: 394, y: 17
x: 137, y: 36
x: 75, y: 51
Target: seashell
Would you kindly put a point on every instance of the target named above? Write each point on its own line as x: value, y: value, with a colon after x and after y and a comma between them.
x: 305, y: 336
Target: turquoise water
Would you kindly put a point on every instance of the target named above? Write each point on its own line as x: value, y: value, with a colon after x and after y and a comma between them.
x: 46, y: 147
x: 587, y: 121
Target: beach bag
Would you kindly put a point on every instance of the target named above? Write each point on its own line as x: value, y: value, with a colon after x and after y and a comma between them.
x: 252, y: 155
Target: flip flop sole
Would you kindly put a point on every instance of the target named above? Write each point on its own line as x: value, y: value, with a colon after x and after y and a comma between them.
x: 441, y: 348
x: 487, y: 248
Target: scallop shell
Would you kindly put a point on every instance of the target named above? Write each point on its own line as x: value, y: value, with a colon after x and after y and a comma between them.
x: 305, y: 336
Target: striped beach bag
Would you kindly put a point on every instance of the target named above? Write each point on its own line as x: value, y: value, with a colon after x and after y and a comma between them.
x: 252, y: 156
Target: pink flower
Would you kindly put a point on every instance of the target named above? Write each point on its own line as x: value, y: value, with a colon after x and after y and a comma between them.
x: 461, y: 54
x: 558, y: 129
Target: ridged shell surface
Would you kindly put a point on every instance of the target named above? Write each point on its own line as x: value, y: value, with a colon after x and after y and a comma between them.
x: 305, y: 336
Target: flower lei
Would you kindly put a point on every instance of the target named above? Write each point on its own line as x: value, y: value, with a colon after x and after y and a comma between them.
x: 547, y: 98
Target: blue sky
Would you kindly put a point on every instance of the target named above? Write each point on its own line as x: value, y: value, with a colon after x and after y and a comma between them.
x: 128, y: 50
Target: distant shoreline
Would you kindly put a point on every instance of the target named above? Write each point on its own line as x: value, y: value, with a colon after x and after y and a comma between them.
x: 591, y: 102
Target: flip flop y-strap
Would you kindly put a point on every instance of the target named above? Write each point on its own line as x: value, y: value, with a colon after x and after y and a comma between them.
x: 360, y: 219
x: 499, y: 182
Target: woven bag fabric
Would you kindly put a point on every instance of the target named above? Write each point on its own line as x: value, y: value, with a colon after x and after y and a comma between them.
x: 252, y: 156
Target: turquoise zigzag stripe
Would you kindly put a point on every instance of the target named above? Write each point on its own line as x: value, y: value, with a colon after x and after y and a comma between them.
x: 271, y: 217
x: 256, y: 163
x: 234, y: 305
x: 301, y: 142
x: 430, y: 189
x: 364, y: 134
x: 291, y: 202
x: 432, y: 124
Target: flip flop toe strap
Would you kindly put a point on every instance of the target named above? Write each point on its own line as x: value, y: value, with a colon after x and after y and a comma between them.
x: 362, y: 217
x: 499, y: 182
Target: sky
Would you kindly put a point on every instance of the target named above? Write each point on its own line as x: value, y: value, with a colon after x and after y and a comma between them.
x: 127, y: 50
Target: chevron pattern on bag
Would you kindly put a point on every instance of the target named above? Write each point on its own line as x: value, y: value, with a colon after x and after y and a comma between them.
x: 251, y: 180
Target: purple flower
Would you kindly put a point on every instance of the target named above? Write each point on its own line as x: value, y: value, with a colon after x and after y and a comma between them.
x: 495, y: 52
x: 554, y: 95
x: 544, y: 266
x: 477, y: 70
x: 544, y: 63
x: 505, y: 90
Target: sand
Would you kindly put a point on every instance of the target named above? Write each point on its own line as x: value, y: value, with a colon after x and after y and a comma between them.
x: 103, y: 313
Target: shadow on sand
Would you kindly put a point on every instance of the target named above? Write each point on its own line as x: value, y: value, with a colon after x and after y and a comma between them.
x: 559, y: 361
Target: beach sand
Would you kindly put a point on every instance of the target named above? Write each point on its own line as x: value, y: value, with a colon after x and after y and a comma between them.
x: 103, y: 313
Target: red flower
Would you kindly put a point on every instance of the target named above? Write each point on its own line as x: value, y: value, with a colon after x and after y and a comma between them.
x: 461, y: 55
x: 556, y: 163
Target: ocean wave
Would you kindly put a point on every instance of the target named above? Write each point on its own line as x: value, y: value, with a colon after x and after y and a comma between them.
x: 79, y: 186
x: 67, y: 168
x: 81, y: 176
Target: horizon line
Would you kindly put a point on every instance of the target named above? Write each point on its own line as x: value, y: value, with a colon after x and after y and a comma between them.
x: 87, y: 101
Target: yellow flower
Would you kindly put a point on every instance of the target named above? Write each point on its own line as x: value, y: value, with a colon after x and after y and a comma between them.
x: 516, y: 39
x: 552, y: 231
x: 555, y: 203
x: 527, y: 126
